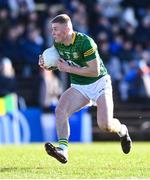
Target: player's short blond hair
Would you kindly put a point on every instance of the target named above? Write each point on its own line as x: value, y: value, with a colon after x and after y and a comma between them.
x: 62, y: 19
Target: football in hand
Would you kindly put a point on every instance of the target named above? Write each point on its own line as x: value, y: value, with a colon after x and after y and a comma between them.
x: 50, y: 57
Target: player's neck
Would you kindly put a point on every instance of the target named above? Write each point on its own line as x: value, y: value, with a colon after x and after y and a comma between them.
x: 68, y: 39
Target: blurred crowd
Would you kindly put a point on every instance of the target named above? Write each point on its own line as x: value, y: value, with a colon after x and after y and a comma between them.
x: 121, y: 29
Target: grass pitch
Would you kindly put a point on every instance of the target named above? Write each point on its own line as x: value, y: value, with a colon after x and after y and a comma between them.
x: 86, y: 161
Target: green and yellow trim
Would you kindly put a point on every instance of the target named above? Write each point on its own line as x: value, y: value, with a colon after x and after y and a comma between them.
x: 63, y: 141
x: 73, y: 37
x: 89, y: 52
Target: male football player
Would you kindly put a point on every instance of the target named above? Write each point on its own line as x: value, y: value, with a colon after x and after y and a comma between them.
x: 89, y: 82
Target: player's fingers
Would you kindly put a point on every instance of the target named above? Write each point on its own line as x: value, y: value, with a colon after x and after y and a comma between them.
x: 41, y: 57
x: 61, y: 60
x: 41, y: 61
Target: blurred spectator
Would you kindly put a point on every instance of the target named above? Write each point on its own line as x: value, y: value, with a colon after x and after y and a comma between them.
x: 130, y: 85
x: 136, y: 82
x: 138, y: 49
x: 33, y: 20
x: 110, y: 8
x: 50, y: 89
x: 79, y: 17
x: 5, y: 21
x: 129, y: 17
x: 144, y: 66
x: 126, y: 55
x: 116, y: 44
x: 52, y: 11
x: 80, y: 23
x: 31, y: 47
x: 16, y: 5
x: 103, y: 25
x: 11, y: 44
x: 143, y: 31
x: 104, y: 46
x: 8, y: 83
x: 114, y: 68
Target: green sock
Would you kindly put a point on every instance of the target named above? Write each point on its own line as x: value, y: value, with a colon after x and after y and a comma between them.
x: 63, y: 143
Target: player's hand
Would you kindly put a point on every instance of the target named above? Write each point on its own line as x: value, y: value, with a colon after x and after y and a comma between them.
x: 63, y: 65
x: 41, y: 64
x: 41, y: 61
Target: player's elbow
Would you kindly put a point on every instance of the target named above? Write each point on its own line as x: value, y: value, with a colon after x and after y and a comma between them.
x: 94, y: 68
x: 96, y: 72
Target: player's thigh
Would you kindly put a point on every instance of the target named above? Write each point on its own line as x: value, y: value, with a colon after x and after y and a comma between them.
x: 72, y: 100
x: 105, y: 109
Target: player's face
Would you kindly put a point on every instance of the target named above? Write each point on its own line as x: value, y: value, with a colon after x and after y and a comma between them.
x: 59, y: 32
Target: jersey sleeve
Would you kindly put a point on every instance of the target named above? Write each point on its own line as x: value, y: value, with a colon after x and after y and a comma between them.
x: 89, y: 49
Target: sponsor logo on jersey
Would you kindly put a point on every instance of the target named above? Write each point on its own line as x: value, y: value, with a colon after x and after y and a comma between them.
x: 68, y: 54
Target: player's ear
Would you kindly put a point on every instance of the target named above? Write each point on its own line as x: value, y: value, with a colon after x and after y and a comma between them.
x: 67, y: 30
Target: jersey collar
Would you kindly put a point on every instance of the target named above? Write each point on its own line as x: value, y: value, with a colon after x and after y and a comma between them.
x: 73, y: 37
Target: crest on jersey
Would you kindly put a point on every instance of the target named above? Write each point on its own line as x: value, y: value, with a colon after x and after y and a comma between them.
x: 75, y: 55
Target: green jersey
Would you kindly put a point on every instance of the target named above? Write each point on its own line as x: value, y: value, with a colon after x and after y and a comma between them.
x: 82, y: 50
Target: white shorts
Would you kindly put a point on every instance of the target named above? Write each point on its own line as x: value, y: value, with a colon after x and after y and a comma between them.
x: 94, y: 90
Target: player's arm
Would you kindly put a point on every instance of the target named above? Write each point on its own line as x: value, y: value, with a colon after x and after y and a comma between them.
x: 91, y: 70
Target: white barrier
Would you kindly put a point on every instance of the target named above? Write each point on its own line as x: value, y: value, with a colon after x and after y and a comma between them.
x: 14, y: 128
